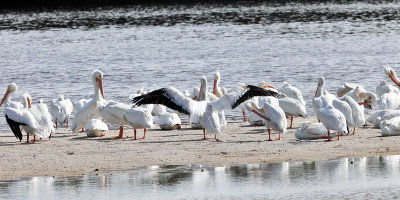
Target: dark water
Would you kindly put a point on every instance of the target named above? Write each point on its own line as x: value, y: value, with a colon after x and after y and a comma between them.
x: 351, y: 178
x: 49, y: 52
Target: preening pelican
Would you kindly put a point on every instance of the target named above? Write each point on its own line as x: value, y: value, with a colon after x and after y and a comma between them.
x: 292, y: 108
x: 273, y: 115
x: 311, y: 131
x: 96, y: 128
x: 61, y: 110
x: 330, y: 117
x: 169, y: 121
x: 25, y: 118
x: 345, y: 88
x: 207, y: 110
x: 292, y: 92
x: 42, y: 116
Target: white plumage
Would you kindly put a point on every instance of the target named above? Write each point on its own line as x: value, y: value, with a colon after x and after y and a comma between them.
x: 169, y: 121
x: 330, y: 117
x: 311, y: 131
x: 292, y: 92
x: 384, y: 87
x: 11, y: 89
x: 390, y: 127
x: 206, y: 110
x: 96, y: 128
x: 61, y: 110
x: 292, y: 108
x: 79, y: 104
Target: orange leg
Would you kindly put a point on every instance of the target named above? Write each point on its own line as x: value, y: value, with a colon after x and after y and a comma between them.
x: 121, y: 132
x: 279, y: 137
x: 34, y: 138
x: 291, y: 121
x: 354, y: 131
x: 56, y: 125
x: 144, y: 134
x: 27, y: 138
x: 135, y: 138
x: 67, y: 124
x: 215, y: 137
x: 204, y: 134
x: 329, y: 136
x: 244, y: 116
x: 82, y: 130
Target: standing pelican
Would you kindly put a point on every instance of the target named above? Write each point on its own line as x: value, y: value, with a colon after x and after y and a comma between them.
x: 61, y: 110
x: 273, y: 115
x: 392, y: 75
x: 292, y: 108
x: 42, y: 116
x: 22, y: 118
x: 207, y: 110
x: 330, y: 117
x: 90, y: 109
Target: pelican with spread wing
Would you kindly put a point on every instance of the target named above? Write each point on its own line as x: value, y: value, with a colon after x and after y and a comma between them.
x: 206, y: 110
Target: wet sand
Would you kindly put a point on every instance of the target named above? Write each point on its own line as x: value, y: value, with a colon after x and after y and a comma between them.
x: 75, y: 154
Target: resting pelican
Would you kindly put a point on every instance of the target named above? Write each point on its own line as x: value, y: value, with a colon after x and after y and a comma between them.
x: 207, y: 110
x: 391, y: 127
x: 169, y: 121
x: 96, y: 128
x: 23, y: 118
x: 11, y: 89
x: 61, y: 110
x: 330, y: 117
x: 311, y: 131
x: 387, y: 101
x: 273, y: 115
x: 345, y: 88
x: 292, y: 92
x: 321, y: 92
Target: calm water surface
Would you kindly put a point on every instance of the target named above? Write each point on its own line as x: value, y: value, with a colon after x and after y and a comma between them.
x: 53, y: 52
x: 353, y: 178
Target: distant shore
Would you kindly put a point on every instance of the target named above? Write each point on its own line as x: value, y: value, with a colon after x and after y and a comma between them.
x: 75, y: 154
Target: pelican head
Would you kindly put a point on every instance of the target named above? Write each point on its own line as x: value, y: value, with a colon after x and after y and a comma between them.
x: 265, y: 85
x: 203, y: 86
x: 383, y: 83
x: 97, y: 78
x: 27, y: 100
x: 392, y: 75
x: 321, y: 81
x: 216, y: 81
x: 11, y: 89
x: 61, y: 97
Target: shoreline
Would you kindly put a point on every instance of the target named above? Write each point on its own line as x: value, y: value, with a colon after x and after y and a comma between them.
x: 75, y: 154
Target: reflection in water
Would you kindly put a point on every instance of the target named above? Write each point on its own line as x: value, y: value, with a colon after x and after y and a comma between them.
x: 366, y: 177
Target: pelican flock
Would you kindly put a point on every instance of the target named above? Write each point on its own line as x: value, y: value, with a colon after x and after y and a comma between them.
x: 264, y: 104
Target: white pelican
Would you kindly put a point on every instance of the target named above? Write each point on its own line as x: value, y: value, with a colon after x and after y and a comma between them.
x: 358, y: 94
x: 79, y: 104
x: 96, y: 128
x: 122, y: 114
x: 252, y: 117
x: 159, y: 110
x: 311, y: 131
x: 390, y: 127
x: 384, y: 87
x: 261, y: 84
x: 207, y: 110
x: 42, y: 116
x: 219, y: 92
x: 90, y: 109
x: 292, y: 92
x: 273, y: 115
x: 345, y: 108
x: 61, y: 110
x: 11, y: 89
x: 25, y: 118
x: 392, y: 75
x: 330, y: 117
x: 345, y: 88
x: 292, y: 108
x: 321, y: 92
x: 357, y: 112
x: 388, y: 101
x: 169, y: 121
x: 141, y: 91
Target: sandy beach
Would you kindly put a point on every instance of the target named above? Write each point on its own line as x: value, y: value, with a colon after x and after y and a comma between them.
x: 75, y: 154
